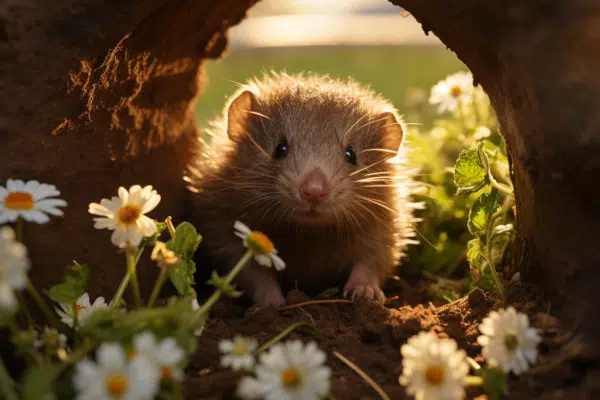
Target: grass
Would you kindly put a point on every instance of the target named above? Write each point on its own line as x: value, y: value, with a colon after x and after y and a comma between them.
x: 389, y: 70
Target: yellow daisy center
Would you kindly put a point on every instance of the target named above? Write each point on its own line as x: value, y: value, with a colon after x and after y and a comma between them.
x: 290, y: 377
x: 79, y: 308
x: 19, y: 201
x: 128, y: 214
x: 511, y: 342
x: 131, y: 355
x: 166, y: 372
x: 434, y: 374
x: 455, y: 91
x: 259, y: 243
x: 240, y: 348
x: 117, y: 384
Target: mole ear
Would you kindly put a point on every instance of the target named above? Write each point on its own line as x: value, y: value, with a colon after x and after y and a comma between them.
x: 393, y: 132
x: 238, y: 114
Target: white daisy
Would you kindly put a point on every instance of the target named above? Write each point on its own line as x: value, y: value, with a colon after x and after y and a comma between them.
x: 166, y: 356
x: 125, y: 215
x: 237, y: 353
x: 83, y: 308
x: 14, y: 264
x: 32, y: 200
x: 113, y: 376
x: 288, y: 371
x: 264, y: 251
x: 508, y: 340
x: 51, y: 338
x: 456, y: 88
x: 433, y: 368
x: 481, y: 132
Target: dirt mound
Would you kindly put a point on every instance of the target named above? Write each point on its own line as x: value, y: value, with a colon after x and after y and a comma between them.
x: 370, y: 335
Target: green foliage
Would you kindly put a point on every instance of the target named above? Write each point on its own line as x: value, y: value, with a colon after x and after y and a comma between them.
x: 72, y: 286
x: 461, y: 153
x: 486, y: 251
x: 174, y: 320
x: 52, y: 358
x: 38, y: 383
x: 224, y: 287
x: 482, y: 211
x: 494, y: 383
x: 471, y: 170
x: 184, y: 243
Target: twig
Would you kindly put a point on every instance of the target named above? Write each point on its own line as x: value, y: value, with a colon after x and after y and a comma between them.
x: 363, y: 375
x: 281, y: 335
x: 306, y: 303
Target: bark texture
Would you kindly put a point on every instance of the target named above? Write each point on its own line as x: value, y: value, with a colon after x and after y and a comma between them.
x: 539, y: 61
x: 97, y: 94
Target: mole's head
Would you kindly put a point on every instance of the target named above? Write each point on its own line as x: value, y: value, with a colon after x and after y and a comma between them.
x: 314, y: 151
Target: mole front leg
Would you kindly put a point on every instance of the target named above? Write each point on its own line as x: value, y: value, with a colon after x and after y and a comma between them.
x: 260, y: 283
x: 364, y: 281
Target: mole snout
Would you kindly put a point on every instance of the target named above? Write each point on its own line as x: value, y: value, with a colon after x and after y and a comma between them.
x: 314, y: 188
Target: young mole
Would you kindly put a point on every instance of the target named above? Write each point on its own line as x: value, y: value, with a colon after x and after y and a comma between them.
x: 317, y: 165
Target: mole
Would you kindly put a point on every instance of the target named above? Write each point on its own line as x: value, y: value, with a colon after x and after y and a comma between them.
x: 319, y: 166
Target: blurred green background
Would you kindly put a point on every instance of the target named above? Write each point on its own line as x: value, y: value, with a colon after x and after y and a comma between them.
x: 389, y: 70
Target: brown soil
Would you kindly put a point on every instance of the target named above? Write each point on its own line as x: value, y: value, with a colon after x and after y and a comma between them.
x: 371, y: 335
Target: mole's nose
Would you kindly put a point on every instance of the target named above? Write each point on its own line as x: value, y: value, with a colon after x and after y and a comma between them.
x: 314, y: 187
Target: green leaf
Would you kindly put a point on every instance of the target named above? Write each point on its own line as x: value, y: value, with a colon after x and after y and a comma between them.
x: 186, y: 240
x: 482, y: 210
x: 500, y: 238
x: 72, y: 287
x: 182, y: 277
x: 475, y: 254
x: 494, y: 383
x: 184, y: 244
x: 471, y: 170
x: 226, y: 288
x: 38, y: 383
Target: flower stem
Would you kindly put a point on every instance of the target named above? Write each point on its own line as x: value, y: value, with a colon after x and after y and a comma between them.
x: 19, y: 229
x: 488, y: 257
x: 42, y: 305
x: 507, y: 190
x: 75, y: 356
x: 6, y: 383
x: 170, y: 226
x: 474, y: 364
x: 119, y: 293
x: 160, y: 281
x: 125, y: 281
x: 75, y: 322
x: 217, y: 294
x: 130, y: 256
x: 25, y: 309
x: 474, y: 380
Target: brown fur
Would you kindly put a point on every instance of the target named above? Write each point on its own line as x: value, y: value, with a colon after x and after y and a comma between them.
x: 235, y: 177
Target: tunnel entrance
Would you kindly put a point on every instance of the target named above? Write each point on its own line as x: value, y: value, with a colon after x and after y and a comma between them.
x: 99, y: 94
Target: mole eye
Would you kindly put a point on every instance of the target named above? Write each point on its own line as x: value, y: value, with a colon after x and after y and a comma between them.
x: 350, y: 155
x: 281, y: 150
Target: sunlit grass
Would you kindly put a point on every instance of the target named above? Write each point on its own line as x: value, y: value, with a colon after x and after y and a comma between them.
x: 390, y: 70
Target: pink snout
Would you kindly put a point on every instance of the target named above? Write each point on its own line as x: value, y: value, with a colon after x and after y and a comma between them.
x: 314, y: 188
